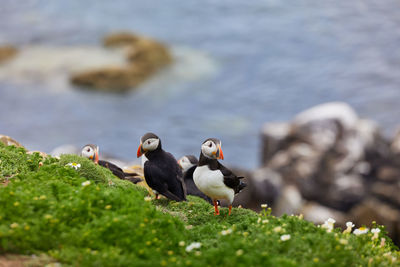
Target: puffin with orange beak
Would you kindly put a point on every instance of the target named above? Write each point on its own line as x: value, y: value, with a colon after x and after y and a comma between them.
x: 161, y: 170
x: 214, y: 179
x: 92, y: 152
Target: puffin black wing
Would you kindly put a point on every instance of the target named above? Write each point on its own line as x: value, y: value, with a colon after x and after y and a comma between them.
x: 166, y: 180
x: 117, y: 171
x: 231, y: 180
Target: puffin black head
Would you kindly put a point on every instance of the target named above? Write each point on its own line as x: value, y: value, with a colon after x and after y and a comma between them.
x: 91, y: 151
x: 148, y: 142
x: 188, y: 161
x: 211, y: 148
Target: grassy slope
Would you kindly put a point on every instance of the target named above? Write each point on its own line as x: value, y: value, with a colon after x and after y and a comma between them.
x: 109, y: 223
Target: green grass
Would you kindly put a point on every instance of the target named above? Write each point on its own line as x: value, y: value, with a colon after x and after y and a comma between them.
x: 109, y: 223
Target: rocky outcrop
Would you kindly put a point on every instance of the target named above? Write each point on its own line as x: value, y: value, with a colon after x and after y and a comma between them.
x: 144, y: 57
x: 8, y: 141
x: 332, y: 163
x: 7, y: 52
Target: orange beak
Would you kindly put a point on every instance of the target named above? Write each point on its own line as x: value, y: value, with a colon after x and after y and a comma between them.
x: 219, y: 154
x: 140, y: 151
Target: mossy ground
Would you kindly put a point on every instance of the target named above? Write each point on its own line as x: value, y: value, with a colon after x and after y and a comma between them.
x: 109, y: 223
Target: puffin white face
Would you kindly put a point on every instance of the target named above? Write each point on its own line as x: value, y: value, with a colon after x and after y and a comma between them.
x: 90, y: 152
x: 212, y: 150
x: 185, y: 163
x: 149, y: 144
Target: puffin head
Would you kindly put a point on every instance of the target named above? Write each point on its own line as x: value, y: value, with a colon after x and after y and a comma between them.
x: 91, y: 152
x: 148, y: 142
x: 211, y: 148
x: 188, y: 161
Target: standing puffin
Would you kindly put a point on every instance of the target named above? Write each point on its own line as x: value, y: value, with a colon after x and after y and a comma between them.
x: 214, y: 179
x: 188, y: 164
x: 92, y: 152
x: 161, y: 170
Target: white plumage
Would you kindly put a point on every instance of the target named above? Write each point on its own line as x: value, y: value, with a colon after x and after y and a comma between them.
x: 211, y: 183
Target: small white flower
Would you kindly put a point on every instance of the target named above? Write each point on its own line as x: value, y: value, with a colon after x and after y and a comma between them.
x: 74, y: 165
x: 84, y: 184
x: 265, y: 221
x: 226, y: 232
x: 264, y: 206
x: 331, y: 221
x: 181, y: 243
x: 277, y: 229
x: 349, y: 226
x: 361, y: 231
x: 147, y: 198
x: 343, y: 241
x: 376, y: 232
x: 329, y: 225
x: 285, y: 237
x: 192, y: 246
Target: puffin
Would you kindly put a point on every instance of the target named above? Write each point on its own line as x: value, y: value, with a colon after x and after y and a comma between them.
x: 188, y: 164
x: 161, y: 170
x: 214, y: 179
x: 91, y: 152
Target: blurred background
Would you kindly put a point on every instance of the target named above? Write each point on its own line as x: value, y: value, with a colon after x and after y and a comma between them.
x: 235, y: 66
x: 238, y: 64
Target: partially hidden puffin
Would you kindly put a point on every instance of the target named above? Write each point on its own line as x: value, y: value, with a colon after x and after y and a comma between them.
x: 161, y: 170
x: 188, y: 164
x: 214, y: 179
x: 91, y: 152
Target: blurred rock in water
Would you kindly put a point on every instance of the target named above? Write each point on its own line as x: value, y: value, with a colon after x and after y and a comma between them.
x: 53, y: 64
x: 143, y: 56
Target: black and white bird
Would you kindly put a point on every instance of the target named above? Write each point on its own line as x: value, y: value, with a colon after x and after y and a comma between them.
x: 161, y: 170
x: 214, y: 179
x: 188, y: 164
x: 92, y: 152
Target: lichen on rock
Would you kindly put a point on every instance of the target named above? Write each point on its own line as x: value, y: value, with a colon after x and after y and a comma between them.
x: 7, y: 52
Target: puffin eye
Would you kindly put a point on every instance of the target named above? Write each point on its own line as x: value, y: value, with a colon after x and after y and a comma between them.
x: 148, y: 142
x: 210, y: 145
x: 88, y: 150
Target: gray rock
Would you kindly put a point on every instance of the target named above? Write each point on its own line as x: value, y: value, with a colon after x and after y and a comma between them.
x: 273, y: 138
x: 338, y: 111
x: 387, y: 192
x: 318, y: 214
x: 262, y: 188
x: 288, y: 202
x: 395, y: 144
x: 389, y: 174
x: 8, y: 141
x: 375, y: 210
